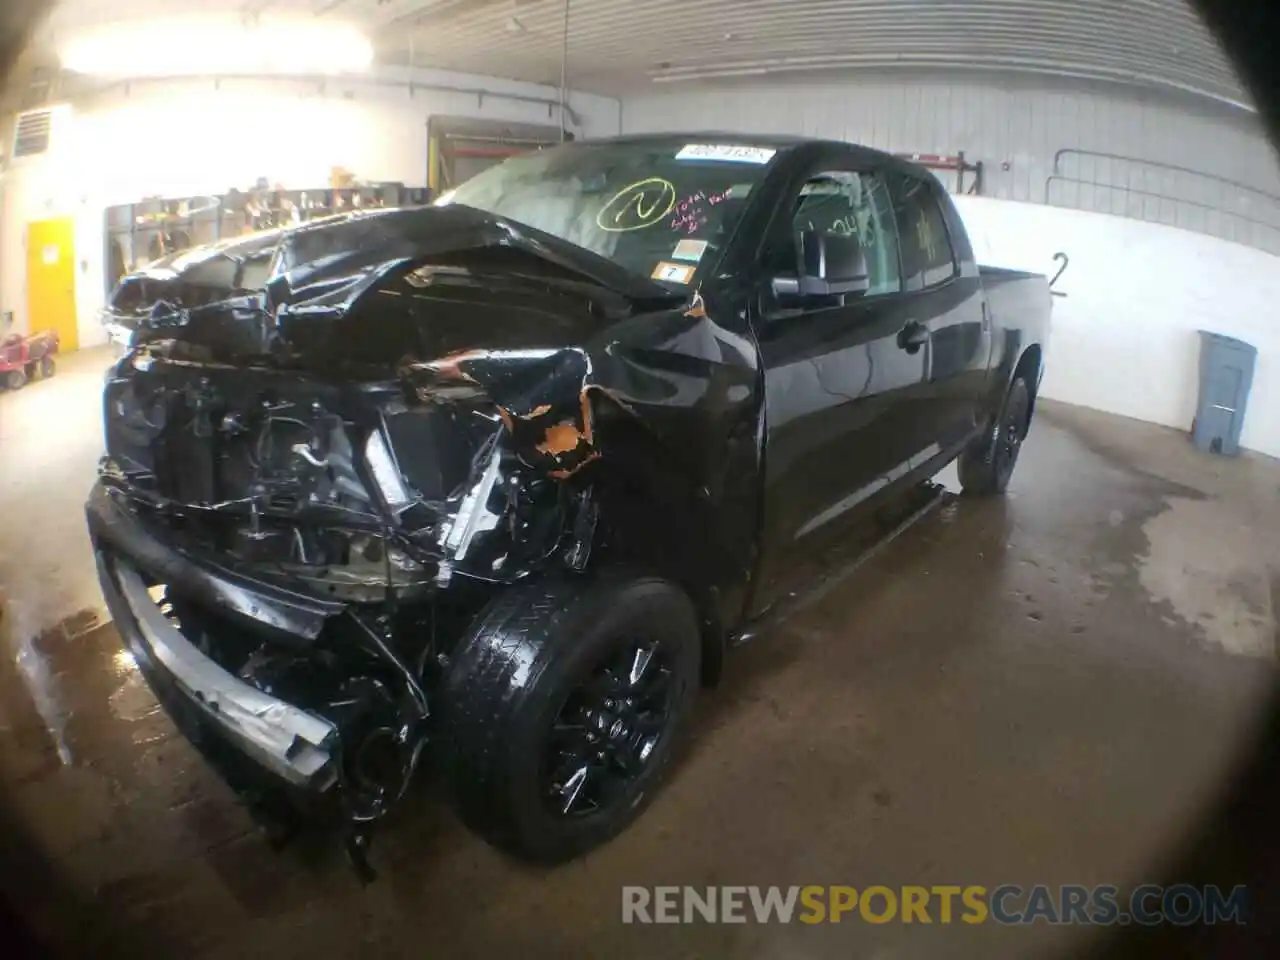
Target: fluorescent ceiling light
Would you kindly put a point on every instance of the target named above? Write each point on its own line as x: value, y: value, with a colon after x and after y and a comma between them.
x: 202, y: 46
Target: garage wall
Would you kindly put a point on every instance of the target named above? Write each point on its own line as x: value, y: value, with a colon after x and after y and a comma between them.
x: 1124, y: 339
x: 1016, y: 127
x: 188, y: 137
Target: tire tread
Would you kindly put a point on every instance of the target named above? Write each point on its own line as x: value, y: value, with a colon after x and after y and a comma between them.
x: 485, y: 700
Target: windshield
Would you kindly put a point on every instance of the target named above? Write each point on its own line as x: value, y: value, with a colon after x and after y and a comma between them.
x: 656, y: 208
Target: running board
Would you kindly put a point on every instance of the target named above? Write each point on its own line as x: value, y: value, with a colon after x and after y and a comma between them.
x: 932, y: 494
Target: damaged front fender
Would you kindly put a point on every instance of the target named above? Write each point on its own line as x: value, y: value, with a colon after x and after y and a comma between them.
x: 542, y: 398
x: 647, y: 435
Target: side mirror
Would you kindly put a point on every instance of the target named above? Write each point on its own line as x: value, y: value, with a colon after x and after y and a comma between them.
x: 831, y: 264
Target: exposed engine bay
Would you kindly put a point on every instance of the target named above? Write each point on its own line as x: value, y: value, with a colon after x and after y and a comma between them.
x: 393, y: 494
x: 405, y: 507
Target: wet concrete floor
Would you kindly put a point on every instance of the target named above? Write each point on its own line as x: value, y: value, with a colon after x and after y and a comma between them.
x: 1049, y: 688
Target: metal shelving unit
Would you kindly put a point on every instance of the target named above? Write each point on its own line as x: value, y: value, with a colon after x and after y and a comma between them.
x: 141, y: 232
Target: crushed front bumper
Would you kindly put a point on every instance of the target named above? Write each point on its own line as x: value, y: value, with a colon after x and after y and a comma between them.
x: 212, y: 707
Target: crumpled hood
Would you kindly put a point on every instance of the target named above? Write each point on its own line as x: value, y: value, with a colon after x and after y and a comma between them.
x: 323, y: 271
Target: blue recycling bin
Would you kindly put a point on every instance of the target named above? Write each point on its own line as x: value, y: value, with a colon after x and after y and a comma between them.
x: 1226, y: 374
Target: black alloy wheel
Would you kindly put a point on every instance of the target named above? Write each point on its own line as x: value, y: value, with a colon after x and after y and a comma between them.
x: 608, y: 730
x: 986, y: 465
x: 563, y: 707
x: 1011, y: 431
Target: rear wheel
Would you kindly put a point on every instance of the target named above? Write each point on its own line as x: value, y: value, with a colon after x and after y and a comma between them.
x: 563, y: 707
x: 15, y: 379
x: 987, y: 464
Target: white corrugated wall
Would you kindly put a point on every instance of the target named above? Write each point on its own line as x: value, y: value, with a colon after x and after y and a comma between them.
x: 1015, y: 128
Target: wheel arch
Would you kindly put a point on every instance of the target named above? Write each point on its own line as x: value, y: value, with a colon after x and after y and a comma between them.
x: 655, y: 516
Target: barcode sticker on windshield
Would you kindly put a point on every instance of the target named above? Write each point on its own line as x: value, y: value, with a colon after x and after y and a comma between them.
x: 673, y: 272
x: 730, y: 152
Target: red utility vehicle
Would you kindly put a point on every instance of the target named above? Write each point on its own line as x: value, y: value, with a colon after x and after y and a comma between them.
x: 22, y: 357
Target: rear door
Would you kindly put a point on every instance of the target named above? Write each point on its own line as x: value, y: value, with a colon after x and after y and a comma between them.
x: 842, y: 395
x: 940, y: 279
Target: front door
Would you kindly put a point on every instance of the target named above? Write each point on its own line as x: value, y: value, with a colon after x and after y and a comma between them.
x: 51, y: 280
x: 842, y: 392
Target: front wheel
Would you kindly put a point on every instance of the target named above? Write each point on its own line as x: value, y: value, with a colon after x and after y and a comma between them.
x: 563, y: 706
x: 47, y: 368
x: 987, y: 464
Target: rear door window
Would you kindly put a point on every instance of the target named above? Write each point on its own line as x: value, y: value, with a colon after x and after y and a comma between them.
x: 927, y: 256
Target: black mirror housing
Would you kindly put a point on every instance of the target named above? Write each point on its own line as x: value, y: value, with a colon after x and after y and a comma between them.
x: 831, y: 263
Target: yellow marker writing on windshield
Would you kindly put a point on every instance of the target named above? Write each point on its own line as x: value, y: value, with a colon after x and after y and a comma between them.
x: 637, y: 205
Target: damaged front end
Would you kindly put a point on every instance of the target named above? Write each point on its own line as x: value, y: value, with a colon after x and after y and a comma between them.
x: 362, y: 527
x: 291, y: 536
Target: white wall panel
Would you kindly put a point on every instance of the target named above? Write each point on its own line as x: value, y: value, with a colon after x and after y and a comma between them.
x: 1015, y: 129
x: 1124, y: 339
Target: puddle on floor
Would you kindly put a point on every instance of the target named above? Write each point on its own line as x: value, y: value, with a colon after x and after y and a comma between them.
x: 1212, y: 568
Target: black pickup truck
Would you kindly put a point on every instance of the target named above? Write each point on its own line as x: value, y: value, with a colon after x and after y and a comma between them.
x: 506, y: 475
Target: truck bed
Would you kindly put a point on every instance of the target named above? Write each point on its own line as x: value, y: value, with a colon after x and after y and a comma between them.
x: 1018, y: 300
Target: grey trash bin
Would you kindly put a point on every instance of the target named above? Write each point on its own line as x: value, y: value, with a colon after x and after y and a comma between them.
x: 1226, y: 373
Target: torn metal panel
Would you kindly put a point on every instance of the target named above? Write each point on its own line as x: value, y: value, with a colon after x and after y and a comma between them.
x: 473, y: 515
x: 296, y: 744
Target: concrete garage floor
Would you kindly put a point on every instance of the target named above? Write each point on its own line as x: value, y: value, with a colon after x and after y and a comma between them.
x: 1045, y: 689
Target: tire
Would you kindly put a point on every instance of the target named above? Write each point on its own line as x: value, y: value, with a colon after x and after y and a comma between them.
x: 47, y: 368
x: 534, y: 660
x: 15, y: 379
x: 987, y: 464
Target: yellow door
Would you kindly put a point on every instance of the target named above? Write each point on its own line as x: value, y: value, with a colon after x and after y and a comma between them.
x: 51, y: 279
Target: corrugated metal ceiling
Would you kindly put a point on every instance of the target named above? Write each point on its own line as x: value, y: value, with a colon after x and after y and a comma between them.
x: 622, y: 46
x: 616, y: 46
